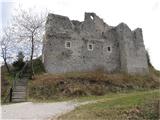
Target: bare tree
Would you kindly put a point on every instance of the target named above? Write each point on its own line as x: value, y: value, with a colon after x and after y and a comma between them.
x: 4, y: 53
x: 7, y: 46
x: 29, y: 27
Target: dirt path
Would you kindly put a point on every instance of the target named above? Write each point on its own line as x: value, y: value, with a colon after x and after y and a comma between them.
x: 37, y: 111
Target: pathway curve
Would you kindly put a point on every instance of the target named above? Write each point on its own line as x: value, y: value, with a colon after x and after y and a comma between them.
x: 38, y: 111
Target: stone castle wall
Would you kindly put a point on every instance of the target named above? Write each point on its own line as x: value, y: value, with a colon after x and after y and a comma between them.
x: 114, y: 49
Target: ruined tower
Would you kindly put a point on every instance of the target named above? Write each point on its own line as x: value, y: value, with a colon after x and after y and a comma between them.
x: 71, y: 45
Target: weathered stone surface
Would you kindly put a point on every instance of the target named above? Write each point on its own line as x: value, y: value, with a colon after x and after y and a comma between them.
x: 112, y: 49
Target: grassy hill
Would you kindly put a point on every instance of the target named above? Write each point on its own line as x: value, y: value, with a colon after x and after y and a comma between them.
x: 75, y: 84
x: 122, y: 106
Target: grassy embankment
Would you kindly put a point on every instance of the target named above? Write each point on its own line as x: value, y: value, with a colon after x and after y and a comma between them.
x: 6, y: 82
x: 142, y: 105
x: 75, y: 84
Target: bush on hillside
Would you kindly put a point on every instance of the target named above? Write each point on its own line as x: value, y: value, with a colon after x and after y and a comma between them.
x: 38, y: 66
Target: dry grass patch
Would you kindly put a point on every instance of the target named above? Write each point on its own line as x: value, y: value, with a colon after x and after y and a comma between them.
x: 74, y: 84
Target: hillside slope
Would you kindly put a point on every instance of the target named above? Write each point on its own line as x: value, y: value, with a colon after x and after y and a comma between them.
x: 55, y: 86
x: 123, y: 106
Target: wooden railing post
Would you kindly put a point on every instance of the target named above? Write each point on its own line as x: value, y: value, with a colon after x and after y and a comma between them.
x: 10, y: 95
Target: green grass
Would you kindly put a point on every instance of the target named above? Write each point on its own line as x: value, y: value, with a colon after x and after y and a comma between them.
x: 120, y: 106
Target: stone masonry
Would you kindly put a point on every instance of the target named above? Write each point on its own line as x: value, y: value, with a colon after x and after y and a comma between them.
x: 70, y: 45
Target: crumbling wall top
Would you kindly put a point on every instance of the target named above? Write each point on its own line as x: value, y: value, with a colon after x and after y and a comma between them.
x: 57, y: 24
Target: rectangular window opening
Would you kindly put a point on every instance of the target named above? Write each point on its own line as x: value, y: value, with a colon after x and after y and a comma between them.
x: 68, y: 44
x: 90, y: 46
x: 109, y: 49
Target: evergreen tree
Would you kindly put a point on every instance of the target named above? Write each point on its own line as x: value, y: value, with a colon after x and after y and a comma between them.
x: 19, y: 63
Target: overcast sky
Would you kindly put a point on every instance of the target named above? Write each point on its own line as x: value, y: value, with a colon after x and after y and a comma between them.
x: 135, y: 13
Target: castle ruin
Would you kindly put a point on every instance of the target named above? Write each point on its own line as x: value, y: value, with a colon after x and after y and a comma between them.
x: 70, y: 45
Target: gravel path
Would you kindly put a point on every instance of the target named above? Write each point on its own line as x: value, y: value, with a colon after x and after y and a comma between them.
x: 36, y: 111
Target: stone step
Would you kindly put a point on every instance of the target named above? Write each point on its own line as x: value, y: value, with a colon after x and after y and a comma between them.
x: 18, y: 99
x: 27, y: 77
x: 19, y: 88
x: 24, y: 80
x: 21, y: 82
x: 19, y: 94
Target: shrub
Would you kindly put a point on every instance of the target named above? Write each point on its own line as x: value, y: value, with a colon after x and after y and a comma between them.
x: 42, y: 90
x: 38, y: 66
x: 78, y: 92
x: 97, y: 89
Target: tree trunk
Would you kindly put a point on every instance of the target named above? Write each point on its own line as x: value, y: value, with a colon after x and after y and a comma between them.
x: 4, y: 56
x: 32, y: 51
x: 5, y: 62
